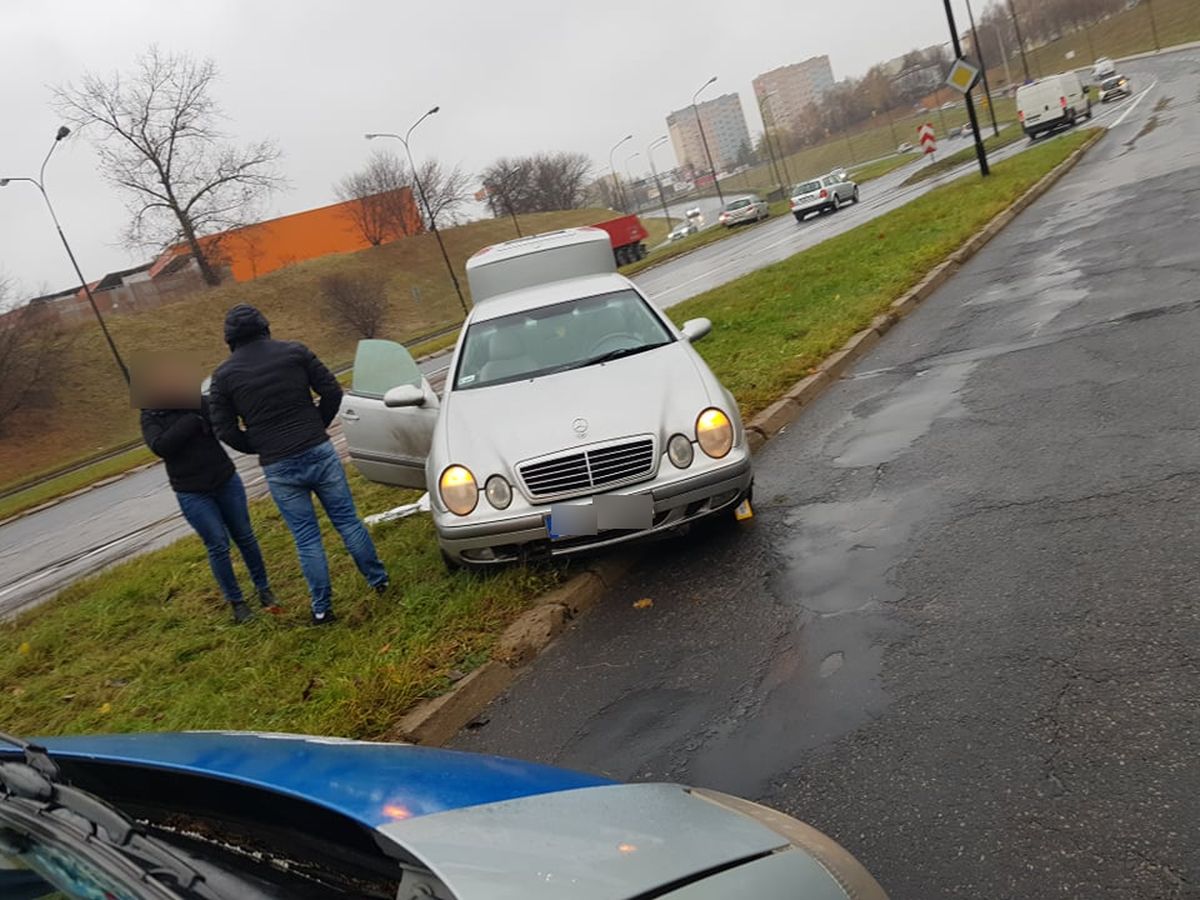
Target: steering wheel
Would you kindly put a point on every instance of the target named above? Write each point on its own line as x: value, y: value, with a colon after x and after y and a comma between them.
x: 595, y: 349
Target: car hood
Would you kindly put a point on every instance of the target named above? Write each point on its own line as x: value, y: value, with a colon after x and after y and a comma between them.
x: 619, y: 841
x: 491, y: 429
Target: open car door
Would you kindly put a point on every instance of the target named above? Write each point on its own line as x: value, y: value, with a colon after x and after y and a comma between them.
x: 388, y: 444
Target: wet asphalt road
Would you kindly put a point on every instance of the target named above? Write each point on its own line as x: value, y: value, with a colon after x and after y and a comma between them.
x: 961, y: 634
x: 45, y: 551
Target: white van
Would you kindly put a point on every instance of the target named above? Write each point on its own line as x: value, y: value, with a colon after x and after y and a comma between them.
x: 1052, y: 102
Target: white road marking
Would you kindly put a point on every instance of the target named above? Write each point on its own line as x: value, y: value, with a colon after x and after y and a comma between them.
x: 1132, y: 106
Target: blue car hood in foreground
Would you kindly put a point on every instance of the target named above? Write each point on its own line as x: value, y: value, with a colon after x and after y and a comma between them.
x: 374, y: 784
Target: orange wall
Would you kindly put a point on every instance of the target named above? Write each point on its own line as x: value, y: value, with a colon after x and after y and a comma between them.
x: 257, y: 249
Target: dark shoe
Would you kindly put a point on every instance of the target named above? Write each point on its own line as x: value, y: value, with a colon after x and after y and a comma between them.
x: 241, y: 612
x: 325, y: 618
x: 381, y: 588
x: 267, y: 598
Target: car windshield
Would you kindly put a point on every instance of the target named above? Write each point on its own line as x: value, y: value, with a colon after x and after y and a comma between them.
x: 1111, y: 83
x: 556, y: 338
x: 808, y: 187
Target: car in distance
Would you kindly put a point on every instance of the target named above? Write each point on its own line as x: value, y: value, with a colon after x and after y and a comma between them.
x: 825, y: 194
x: 744, y: 209
x: 904, y: 147
x: 1114, y: 86
x: 1103, y: 68
x: 1055, y: 101
x: 249, y: 816
x: 575, y: 416
x: 949, y: 104
x: 682, y: 230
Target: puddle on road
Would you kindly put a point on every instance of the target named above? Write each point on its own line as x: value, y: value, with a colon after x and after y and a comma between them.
x: 879, y: 430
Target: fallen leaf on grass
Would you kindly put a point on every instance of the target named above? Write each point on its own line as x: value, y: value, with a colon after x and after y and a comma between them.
x: 644, y: 603
x: 106, y: 708
x: 25, y: 648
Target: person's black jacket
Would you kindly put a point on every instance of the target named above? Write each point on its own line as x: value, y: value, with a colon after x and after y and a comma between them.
x: 196, y: 461
x: 269, y: 384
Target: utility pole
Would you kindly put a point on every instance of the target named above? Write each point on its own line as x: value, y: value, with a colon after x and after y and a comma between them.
x: 654, y: 173
x: 704, y: 140
x: 980, y: 153
x: 987, y: 91
x: 762, y: 104
x: 1153, y: 24
x: 999, y: 32
x: 1012, y: 11
x: 618, y: 191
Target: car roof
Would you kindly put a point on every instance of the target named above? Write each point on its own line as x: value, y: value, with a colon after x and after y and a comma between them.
x: 372, y: 783
x: 549, y: 294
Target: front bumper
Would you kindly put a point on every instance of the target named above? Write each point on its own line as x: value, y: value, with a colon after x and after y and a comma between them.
x: 677, y: 500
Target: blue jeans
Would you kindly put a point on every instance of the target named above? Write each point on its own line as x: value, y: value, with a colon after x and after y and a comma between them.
x: 217, y: 516
x: 293, y: 481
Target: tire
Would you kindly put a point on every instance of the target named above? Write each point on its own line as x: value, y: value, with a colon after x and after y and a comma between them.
x: 854, y: 198
x: 836, y: 204
x: 799, y: 216
x: 641, y: 251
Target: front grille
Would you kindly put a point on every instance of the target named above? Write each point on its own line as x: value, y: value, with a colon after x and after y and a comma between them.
x: 584, y: 470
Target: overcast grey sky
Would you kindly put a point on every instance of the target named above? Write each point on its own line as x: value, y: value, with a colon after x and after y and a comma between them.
x: 511, y: 76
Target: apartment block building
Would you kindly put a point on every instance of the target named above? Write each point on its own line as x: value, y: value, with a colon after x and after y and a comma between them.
x: 724, y: 126
x: 785, y: 93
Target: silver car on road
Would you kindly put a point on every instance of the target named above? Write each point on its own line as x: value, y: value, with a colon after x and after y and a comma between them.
x: 575, y: 414
x: 744, y: 209
x: 825, y: 194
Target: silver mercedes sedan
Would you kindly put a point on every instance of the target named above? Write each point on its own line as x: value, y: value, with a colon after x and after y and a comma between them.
x: 575, y: 414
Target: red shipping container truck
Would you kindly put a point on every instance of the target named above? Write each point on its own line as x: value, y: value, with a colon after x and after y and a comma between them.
x: 627, y: 234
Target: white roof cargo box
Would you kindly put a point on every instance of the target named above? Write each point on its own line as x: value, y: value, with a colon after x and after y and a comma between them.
x: 539, y: 259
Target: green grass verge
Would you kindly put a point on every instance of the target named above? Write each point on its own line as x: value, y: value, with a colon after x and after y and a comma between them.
x: 1007, y: 136
x: 72, y: 481
x: 147, y: 645
x: 772, y: 327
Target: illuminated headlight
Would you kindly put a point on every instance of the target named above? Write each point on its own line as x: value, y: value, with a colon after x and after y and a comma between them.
x: 458, y: 489
x: 714, y: 432
x: 498, y: 492
x: 679, y: 451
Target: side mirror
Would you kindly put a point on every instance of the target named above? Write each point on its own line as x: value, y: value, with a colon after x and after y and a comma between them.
x: 694, y: 329
x: 404, y: 395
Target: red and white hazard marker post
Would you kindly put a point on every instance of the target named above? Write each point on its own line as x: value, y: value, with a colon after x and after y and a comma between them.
x: 927, y: 139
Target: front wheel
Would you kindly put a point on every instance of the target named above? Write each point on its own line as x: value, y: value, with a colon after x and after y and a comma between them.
x: 854, y: 197
x: 836, y: 205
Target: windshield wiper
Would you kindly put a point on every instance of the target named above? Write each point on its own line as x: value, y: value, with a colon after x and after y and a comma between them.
x: 616, y: 354
x: 36, y: 782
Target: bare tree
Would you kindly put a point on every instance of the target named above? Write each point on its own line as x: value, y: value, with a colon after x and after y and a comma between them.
x: 28, y: 334
x: 446, y: 191
x: 157, y: 137
x: 358, y: 301
x: 381, y: 204
x: 539, y: 183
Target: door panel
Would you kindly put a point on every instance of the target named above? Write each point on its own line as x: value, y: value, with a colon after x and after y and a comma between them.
x: 387, y: 445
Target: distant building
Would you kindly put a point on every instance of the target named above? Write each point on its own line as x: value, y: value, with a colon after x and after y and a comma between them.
x: 786, y: 93
x: 724, y: 127
x: 254, y: 250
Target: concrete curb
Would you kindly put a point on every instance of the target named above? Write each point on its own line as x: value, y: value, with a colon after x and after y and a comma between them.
x: 437, y: 720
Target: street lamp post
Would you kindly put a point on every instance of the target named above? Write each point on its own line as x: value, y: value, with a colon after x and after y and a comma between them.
x: 704, y: 140
x: 618, y: 191
x: 999, y: 32
x: 637, y: 204
x: 987, y: 91
x: 425, y: 200
x: 1012, y: 11
x: 1153, y: 24
x: 778, y: 167
x: 654, y: 174
x: 40, y: 184
x: 980, y: 153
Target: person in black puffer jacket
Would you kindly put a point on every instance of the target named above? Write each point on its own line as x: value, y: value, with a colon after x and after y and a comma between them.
x: 269, y: 386
x: 207, y: 486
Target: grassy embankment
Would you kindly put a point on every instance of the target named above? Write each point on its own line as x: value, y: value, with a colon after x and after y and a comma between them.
x: 146, y: 645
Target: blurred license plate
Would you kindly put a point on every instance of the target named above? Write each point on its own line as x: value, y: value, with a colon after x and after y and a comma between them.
x: 580, y: 518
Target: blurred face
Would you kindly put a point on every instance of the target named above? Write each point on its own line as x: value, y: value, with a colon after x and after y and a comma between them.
x: 165, y: 381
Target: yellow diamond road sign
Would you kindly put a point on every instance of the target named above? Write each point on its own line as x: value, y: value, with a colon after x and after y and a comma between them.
x: 962, y: 76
